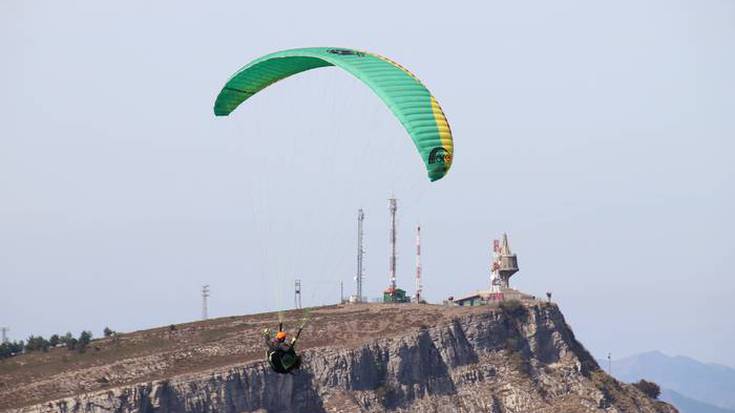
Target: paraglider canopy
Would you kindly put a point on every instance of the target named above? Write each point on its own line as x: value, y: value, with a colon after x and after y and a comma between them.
x: 405, y: 95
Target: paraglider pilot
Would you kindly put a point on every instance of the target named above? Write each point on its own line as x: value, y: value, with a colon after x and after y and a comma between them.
x: 281, y: 353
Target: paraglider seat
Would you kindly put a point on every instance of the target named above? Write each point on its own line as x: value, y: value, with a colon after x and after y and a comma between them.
x: 284, y: 361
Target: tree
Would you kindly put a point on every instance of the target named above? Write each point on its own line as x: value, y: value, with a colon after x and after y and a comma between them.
x: 84, y: 338
x: 68, y: 341
x: 9, y: 349
x: 108, y: 332
x: 54, y: 340
x: 648, y: 388
x: 31, y: 346
x: 37, y: 343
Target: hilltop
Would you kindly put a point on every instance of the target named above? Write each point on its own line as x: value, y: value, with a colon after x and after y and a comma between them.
x: 366, y: 357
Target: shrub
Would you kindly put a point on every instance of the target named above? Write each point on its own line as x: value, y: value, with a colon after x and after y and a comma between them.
x: 648, y: 388
x: 9, y: 349
x: 514, y: 308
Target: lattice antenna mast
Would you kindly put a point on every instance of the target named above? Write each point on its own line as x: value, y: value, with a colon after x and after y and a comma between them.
x: 360, y: 254
x: 4, y: 331
x: 205, y: 295
x: 297, y: 294
x: 419, y: 285
x: 393, y: 207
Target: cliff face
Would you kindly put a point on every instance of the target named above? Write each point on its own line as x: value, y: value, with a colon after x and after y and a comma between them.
x: 522, y: 359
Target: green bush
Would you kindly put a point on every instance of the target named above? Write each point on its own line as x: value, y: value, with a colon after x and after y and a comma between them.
x: 648, y: 388
x: 9, y: 349
x: 514, y: 309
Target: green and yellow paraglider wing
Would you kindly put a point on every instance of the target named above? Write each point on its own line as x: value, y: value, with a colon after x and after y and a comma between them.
x: 405, y: 95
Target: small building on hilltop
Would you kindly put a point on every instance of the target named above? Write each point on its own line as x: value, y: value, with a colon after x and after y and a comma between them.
x: 482, y: 297
x: 395, y: 295
x: 504, y: 264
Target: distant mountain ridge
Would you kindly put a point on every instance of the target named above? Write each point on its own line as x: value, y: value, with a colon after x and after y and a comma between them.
x: 684, y: 381
x: 688, y: 405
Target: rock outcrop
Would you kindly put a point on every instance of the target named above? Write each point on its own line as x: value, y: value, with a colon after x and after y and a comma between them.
x: 514, y: 358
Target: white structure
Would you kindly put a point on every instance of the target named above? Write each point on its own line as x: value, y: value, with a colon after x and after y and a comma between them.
x: 392, y: 207
x: 419, y: 284
x: 297, y: 294
x: 503, y: 265
x: 358, y: 297
x: 205, y: 295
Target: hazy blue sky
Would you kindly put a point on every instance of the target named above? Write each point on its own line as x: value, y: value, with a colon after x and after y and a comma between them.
x: 599, y: 135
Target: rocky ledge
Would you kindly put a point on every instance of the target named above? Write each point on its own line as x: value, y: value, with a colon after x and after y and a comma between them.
x: 501, y: 359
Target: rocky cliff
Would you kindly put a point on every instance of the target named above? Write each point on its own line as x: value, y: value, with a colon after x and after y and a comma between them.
x: 418, y: 358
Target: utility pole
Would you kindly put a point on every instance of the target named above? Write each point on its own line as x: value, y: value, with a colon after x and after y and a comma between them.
x: 341, y: 292
x: 393, y: 206
x: 4, y: 331
x: 297, y: 294
x: 205, y: 295
x: 360, y: 254
x: 419, y: 285
x: 609, y: 364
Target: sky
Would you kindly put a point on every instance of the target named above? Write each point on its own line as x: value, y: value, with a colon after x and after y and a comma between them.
x: 598, y: 135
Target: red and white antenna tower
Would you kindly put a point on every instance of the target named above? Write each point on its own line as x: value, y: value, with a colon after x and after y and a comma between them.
x: 494, y: 267
x: 419, y: 285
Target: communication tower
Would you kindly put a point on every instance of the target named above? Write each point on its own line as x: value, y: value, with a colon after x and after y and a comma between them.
x: 392, y: 207
x: 297, y: 294
x: 205, y: 295
x: 419, y: 285
x: 393, y: 294
x: 360, y: 255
